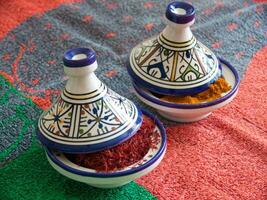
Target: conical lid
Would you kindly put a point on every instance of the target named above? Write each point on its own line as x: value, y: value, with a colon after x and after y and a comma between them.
x: 174, y: 62
x: 88, y: 116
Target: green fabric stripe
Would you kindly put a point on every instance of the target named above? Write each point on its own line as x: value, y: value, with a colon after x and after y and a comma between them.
x: 17, y: 121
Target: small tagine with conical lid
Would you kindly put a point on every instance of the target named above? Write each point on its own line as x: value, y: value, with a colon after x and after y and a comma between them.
x: 88, y: 116
x: 174, y: 62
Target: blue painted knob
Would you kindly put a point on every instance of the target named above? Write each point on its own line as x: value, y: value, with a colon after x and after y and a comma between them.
x: 79, y: 57
x: 180, y: 12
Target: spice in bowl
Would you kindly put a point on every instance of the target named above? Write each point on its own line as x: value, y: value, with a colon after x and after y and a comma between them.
x: 214, y: 91
x: 124, y: 154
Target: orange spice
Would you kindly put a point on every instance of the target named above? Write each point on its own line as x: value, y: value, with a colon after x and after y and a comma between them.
x: 214, y: 91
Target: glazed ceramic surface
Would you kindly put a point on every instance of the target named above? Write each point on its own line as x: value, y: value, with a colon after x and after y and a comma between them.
x: 174, y: 62
x: 192, y: 112
x: 113, y: 179
x: 87, y: 116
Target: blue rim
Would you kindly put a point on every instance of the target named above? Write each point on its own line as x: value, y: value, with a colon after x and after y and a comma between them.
x: 165, y: 91
x: 193, y: 106
x: 117, y: 174
x: 180, y: 19
x: 68, y: 55
x: 67, y: 148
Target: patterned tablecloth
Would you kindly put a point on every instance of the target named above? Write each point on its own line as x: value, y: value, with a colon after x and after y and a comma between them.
x: 221, y: 157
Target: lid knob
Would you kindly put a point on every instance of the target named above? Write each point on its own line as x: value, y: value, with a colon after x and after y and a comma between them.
x: 80, y: 64
x: 180, y: 12
x: 79, y: 57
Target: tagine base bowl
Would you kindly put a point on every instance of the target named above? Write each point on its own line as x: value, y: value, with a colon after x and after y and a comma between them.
x: 185, y: 113
x: 178, y: 118
x: 104, y: 182
x: 151, y: 160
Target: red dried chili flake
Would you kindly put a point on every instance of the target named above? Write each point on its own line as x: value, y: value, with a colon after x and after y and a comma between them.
x: 124, y: 154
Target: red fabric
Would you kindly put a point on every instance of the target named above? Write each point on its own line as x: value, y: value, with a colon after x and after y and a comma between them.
x: 223, y: 156
x: 14, y: 12
x: 260, y: 1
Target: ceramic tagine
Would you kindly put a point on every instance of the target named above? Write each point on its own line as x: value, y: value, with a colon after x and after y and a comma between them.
x: 89, y: 117
x: 175, y: 63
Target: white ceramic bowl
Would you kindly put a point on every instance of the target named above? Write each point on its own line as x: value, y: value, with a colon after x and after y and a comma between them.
x: 192, y: 112
x: 113, y: 179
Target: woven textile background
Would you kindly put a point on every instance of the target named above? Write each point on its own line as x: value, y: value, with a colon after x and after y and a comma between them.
x: 221, y: 157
